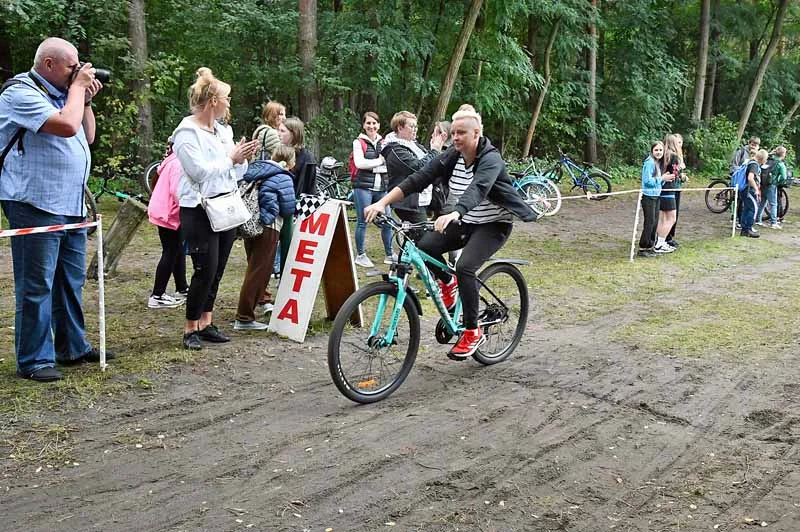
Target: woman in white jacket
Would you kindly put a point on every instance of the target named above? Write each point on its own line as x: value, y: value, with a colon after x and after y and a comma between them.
x: 212, y: 165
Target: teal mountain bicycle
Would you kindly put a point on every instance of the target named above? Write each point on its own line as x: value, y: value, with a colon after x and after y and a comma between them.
x: 376, y: 333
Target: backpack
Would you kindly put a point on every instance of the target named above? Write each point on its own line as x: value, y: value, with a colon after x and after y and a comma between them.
x: 249, y: 193
x: 767, y: 169
x: 16, y: 137
x: 351, y: 163
x: 739, y: 177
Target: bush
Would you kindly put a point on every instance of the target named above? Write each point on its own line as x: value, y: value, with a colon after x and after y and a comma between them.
x: 709, y: 147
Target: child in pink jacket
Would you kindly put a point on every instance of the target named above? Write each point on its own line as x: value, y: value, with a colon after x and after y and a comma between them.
x: 164, y: 212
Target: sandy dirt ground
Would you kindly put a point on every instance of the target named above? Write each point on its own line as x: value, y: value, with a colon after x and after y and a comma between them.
x: 574, y: 432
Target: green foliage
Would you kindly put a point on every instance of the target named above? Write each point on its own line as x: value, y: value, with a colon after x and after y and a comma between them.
x: 710, y: 146
x: 373, y: 56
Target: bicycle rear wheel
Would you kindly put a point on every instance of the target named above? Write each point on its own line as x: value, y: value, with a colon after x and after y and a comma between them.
x: 149, y: 177
x: 783, y: 202
x: 718, y: 196
x: 503, y: 313
x: 596, y: 183
x: 363, y: 366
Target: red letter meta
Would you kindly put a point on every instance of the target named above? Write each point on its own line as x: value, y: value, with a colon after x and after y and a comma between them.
x: 317, y: 226
x: 299, y: 277
x: 305, y: 251
x: 289, y: 311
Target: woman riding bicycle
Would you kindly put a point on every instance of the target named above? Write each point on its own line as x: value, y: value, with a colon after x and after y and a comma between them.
x: 482, y: 198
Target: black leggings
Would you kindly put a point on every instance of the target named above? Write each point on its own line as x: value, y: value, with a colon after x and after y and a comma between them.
x: 480, y: 242
x: 209, y: 251
x: 172, y: 262
x: 671, y: 234
x: 650, y: 210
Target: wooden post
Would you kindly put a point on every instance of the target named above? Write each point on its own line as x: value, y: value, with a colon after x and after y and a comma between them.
x: 120, y: 233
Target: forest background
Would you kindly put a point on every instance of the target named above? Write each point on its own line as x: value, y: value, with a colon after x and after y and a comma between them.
x: 599, y: 78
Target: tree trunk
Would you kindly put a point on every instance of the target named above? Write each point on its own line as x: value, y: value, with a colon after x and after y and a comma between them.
x: 590, y: 150
x: 762, y: 68
x: 455, y: 60
x: 338, y: 98
x: 116, y: 239
x: 788, y: 118
x: 702, y: 60
x: 538, y: 109
x: 426, y: 66
x: 308, y: 97
x: 601, y: 44
x: 711, y: 78
x: 137, y: 33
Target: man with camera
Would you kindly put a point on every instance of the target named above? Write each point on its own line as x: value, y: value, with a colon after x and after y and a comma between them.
x: 46, y: 127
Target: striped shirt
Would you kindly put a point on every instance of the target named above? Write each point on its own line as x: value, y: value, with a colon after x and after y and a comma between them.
x: 486, y: 212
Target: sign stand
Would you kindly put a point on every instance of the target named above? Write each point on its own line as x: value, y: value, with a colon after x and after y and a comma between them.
x: 320, y: 253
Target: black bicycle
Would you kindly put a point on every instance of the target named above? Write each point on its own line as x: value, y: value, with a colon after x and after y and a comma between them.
x: 720, y: 196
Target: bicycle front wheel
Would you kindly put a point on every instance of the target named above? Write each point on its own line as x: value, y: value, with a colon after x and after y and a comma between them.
x: 149, y: 177
x: 596, y: 183
x: 719, y: 196
x: 364, y: 366
x: 503, y: 313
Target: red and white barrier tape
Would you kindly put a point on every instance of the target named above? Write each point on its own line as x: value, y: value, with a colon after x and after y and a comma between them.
x: 45, y: 229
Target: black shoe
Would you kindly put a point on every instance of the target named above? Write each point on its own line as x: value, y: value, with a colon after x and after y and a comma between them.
x: 192, y: 341
x: 673, y: 243
x: 42, y: 375
x: 646, y: 253
x: 90, y: 356
x: 212, y: 334
x: 749, y: 233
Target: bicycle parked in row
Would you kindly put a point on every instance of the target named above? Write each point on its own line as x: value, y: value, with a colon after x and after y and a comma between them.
x: 592, y: 181
x: 539, y: 192
x: 375, y: 336
x: 719, y: 197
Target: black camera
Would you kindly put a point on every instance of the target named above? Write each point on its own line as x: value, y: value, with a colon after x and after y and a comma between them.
x: 102, y: 75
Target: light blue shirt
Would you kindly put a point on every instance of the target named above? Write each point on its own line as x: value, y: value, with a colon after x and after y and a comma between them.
x: 651, y: 178
x: 52, y: 170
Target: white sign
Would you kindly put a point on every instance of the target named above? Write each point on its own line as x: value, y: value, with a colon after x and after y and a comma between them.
x: 320, y: 251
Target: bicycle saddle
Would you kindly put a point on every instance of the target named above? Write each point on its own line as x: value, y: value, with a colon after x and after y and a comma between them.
x: 330, y: 163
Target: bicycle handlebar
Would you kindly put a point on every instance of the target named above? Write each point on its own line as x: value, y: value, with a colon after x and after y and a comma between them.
x: 401, y: 225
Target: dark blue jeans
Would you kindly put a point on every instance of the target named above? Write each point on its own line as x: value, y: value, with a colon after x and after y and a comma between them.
x: 49, y: 274
x: 362, y: 198
x: 749, y: 208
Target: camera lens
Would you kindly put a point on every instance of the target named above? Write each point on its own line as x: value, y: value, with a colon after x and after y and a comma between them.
x: 103, y: 75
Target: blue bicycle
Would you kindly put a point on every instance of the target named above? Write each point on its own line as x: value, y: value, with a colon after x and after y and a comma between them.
x: 537, y: 190
x: 376, y: 333
x: 593, y: 182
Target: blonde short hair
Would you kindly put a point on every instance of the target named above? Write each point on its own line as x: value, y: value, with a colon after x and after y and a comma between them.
x: 780, y: 151
x: 762, y: 155
x: 467, y: 111
x: 400, y: 119
x: 205, y: 89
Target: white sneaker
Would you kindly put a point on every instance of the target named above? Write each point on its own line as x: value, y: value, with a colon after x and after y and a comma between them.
x: 180, y: 296
x: 249, y: 326
x: 390, y: 259
x: 664, y: 248
x: 363, y: 261
x: 759, y: 223
x: 163, y: 301
x: 776, y: 225
x: 264, y: 309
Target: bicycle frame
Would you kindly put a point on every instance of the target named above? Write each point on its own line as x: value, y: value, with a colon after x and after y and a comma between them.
x: 410, y: 255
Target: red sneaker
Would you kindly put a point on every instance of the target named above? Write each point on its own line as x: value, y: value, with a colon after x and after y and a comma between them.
x: 470, y: 341
x: 449, y: 292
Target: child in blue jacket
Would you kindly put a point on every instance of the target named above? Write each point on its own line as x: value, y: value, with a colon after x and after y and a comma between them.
x: 276, y: 200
